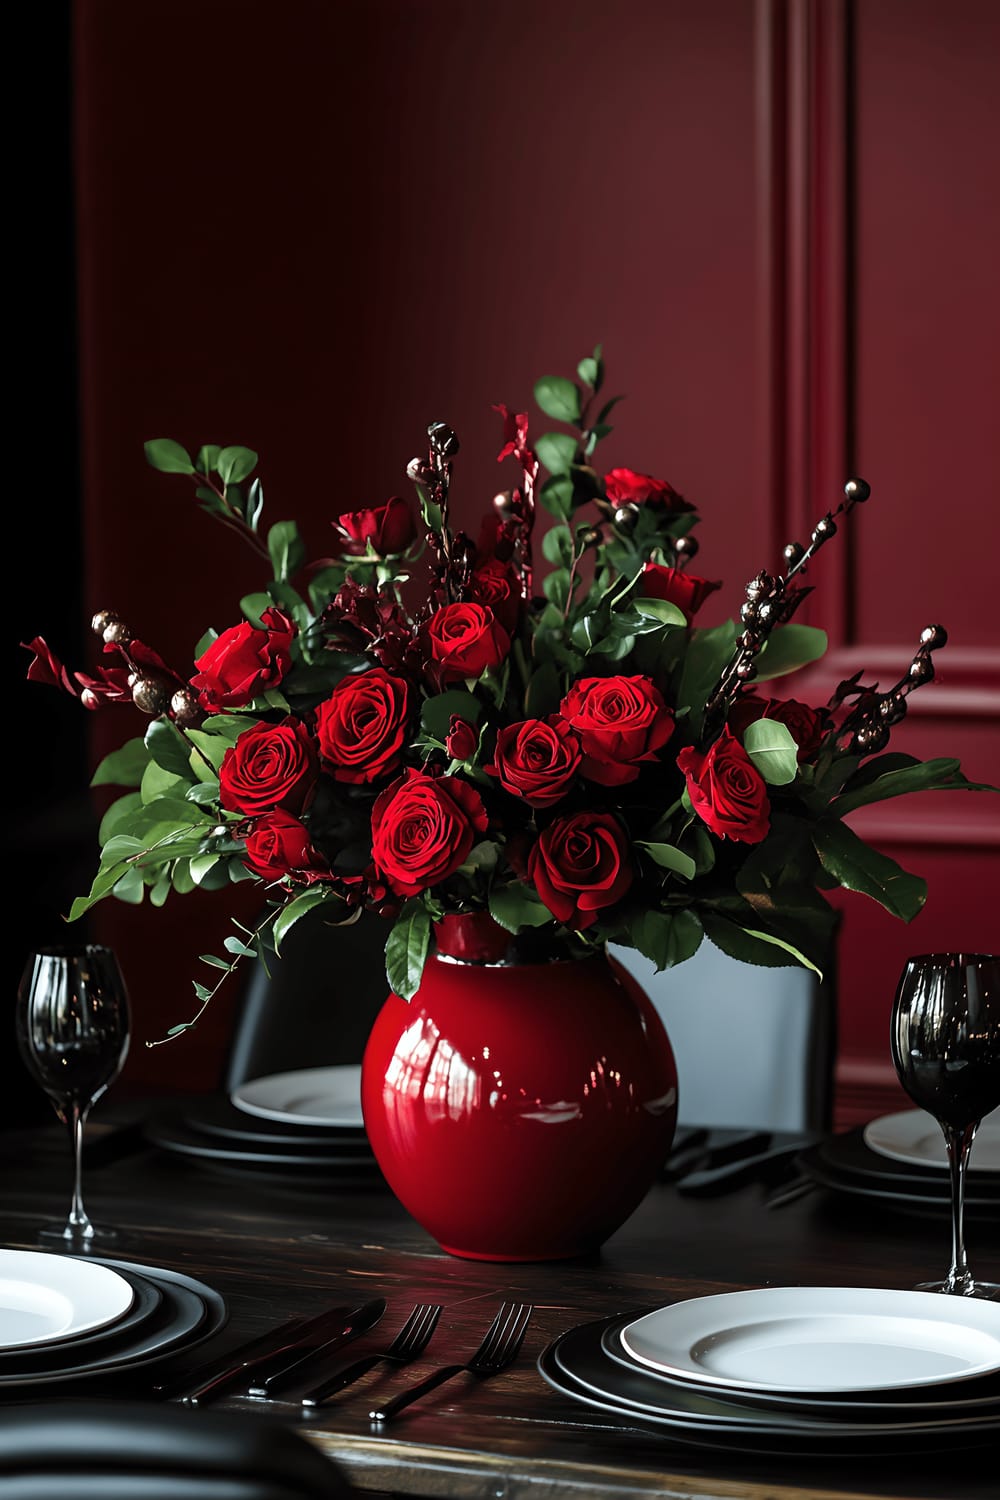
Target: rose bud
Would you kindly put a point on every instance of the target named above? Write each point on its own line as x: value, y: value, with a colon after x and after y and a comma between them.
x: 389, y: 528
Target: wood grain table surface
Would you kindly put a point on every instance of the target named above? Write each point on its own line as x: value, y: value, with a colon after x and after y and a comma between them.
x: 276, y: 1249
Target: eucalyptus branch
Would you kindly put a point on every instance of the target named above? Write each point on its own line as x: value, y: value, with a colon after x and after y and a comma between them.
x: 205, y: 995
x: 232, y: 517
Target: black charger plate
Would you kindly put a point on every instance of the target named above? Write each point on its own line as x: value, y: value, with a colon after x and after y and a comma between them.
x: 848, y: 1155
x: 189, y: 1313
x: 215, y: 1115
x: 982, y: 1396
x: 170, y: 1132
x: 147, y: 1298
x: 575, y: 1365
x: 912, y: 1196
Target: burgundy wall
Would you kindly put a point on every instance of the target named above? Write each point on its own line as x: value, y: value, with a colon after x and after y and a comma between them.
x: 312, y: 227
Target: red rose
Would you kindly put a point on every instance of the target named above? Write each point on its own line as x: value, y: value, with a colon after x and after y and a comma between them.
x: 620, y: 721
x: 462, y: 740
x: 390, y: 528
x: 537, y: 760
x: 683, y: 589
x: 626, y: 487
x: 244, y: 662
x: 279, y: 848
x: 497, y: 585
x: 803, y: 723
x: 423, y: 828
x: 580, y: 866
x: 362, y: 726
x: 271, y: 765
x: 465, y: 640
x: 727, y: 791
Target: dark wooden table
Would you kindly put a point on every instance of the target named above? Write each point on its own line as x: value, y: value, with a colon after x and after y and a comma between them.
x: 276, y: 1250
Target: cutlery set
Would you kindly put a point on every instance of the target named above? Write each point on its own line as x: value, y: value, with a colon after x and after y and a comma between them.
x: 283, y: 1365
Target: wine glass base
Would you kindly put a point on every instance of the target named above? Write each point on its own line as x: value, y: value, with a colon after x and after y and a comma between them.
x: 986, y: 1289
x: 65, y: 1237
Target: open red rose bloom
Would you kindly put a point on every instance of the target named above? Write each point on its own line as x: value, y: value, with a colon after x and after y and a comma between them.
x: 570, y: 751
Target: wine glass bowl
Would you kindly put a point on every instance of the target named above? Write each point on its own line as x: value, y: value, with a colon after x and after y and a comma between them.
x: 945, y: 1043
x: 73, y: 1036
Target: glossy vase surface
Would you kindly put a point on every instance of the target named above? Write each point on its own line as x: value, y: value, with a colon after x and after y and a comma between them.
x: 519, y: 1110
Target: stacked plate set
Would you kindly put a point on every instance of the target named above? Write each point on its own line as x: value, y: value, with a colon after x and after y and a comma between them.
x: 304, y: 1123
x: 66, y: 1319
x: 899, y: 1161
x: 824, y: 1371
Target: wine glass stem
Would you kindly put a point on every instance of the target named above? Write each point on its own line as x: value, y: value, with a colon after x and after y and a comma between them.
x: 959, y: 1143
x: 78, y: 1225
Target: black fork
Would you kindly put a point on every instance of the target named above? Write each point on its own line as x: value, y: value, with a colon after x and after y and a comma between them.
x: 410, y: 1342
x: 498, y: 1350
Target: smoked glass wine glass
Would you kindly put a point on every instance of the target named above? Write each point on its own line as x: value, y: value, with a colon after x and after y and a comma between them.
x: 946, y: 1051
x: 73, y: 1034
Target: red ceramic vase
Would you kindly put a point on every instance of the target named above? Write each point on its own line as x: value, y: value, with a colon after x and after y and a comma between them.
x: 519, y: 1110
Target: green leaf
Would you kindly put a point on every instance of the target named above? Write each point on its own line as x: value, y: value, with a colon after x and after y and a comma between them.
x: 544, y: 692
x: 770, y: 746
x: 608, y: 408
x: 254, y: 508
x: 254, y: 605
x: 556, y: 495
x: 941, y: 775
x: 286, y: 549
x: 228, y: 727
x: 207, y: 640
x: 588, y: 370
x: 667, y: 938
x: 557, y: 451
x: 406, y: 949
x: 515, y: 906
x: 123, y: 767
x: 788, y: 648
x: 436, y: 714
x: 181, y: 877
x: 130, y: 888
x: 669, y: 857
x: 168, y: 748
x: 112, y: 868
x: 858, y: 867
x: 208, y: 458
x: 559, y: 398
x: 156, y: 783
x: 660, y: 610
x: 707, y: 654
x: 118, y: 815
x: 167, y: 456
x: 746, y: 946
x: 316, y: 895
x: 235, y: 464
x: 557, y: 547
x: 238, y: 948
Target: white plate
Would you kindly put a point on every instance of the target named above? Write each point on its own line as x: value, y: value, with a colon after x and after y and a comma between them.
x: 310, y: 1096
x: 48, y: 1297
x: 819, y: 1339
x: 913, y: 1137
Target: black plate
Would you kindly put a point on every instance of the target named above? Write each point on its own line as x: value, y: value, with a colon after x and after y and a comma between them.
x: 215, y: 1115
x: 909, y: 1197
x: 189, y: 1313
x: 981, y: 1395
x: 576, y: 1366
x: 848, y: 1155
x: 171, y: 1133
x: 146, y: 1300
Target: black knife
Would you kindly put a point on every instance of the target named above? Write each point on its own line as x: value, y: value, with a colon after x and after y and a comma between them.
x: 272, y: 1377
x: 219, y: 1374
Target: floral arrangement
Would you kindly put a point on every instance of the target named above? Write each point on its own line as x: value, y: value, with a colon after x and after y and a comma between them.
x: 581, y: 759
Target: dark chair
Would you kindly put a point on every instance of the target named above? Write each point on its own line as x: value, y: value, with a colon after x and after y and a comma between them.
x: 318, y: 1004
x: 89, y: 1450
x: 755, y: 1047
